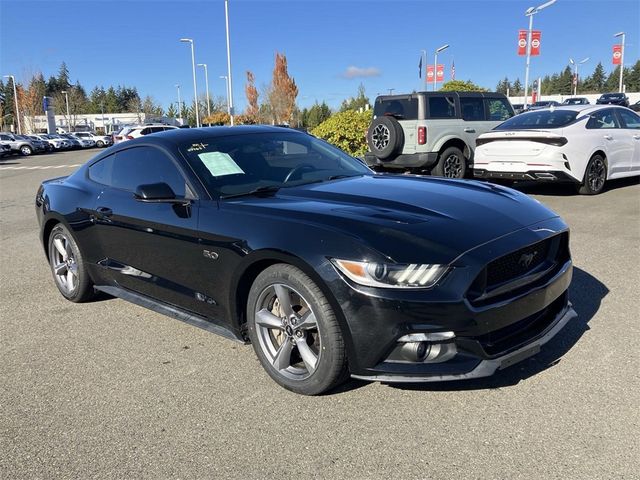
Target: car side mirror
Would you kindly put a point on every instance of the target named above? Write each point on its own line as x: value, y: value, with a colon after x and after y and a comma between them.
x: 157, y: 193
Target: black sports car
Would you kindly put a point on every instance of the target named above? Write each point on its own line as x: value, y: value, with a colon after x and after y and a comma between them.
x: 269, y: 235
x: 613, y: 99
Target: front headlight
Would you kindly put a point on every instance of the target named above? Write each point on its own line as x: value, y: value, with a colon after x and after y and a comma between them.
x: 391, y: 275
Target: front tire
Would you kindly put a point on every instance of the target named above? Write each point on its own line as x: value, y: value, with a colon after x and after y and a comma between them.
x: 68, y: 266
x: 99, y: 144
x: 294, y: 331
x: 451, y: 164
x: 26, y: 150
x: 595, y: 176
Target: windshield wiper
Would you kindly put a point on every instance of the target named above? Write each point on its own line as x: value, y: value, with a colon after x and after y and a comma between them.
x: 260, y: 191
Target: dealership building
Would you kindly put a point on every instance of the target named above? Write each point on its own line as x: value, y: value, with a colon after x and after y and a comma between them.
x: 107, y: 123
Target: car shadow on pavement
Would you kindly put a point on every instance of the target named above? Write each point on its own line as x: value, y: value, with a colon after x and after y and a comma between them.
x: 586, y: 293
x: 568, y: 190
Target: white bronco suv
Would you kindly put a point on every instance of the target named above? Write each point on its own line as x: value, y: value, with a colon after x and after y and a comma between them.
x: 432, y: 132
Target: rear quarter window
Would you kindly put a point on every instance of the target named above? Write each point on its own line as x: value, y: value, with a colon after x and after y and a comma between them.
x: 400, y: 108
x: 499, y: 109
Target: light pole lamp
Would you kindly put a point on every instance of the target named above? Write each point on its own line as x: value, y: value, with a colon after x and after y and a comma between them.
x: 576, y: 65
x: 193, y: 71
x: 66, y: 97
x: 229, y: 82
x: 206, y: 82
x: 619, y: 34
x: 179, y: 103
x: 15, y: 102
x: 435, y: 66
x: 226, y: 84
x: 530, y: 12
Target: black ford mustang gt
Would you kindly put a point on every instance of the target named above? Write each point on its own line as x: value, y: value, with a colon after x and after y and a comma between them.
x: 268, y: 235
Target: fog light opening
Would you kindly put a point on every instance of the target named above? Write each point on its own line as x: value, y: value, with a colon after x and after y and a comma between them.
x: 424, y: 348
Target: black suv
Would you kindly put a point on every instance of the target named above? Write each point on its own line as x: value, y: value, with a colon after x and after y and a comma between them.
x: 432, y: 132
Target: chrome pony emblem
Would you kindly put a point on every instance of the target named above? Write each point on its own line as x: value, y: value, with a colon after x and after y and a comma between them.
x: 526, y: 259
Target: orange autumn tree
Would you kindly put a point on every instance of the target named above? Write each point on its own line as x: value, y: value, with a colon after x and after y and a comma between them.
x: 251, y: 113
x: 282, y: 92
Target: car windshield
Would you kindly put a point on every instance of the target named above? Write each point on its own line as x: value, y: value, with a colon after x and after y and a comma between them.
x: 573, y: 101
x: 611, y: 95
x: 239, y: 164
x: 539, y: 119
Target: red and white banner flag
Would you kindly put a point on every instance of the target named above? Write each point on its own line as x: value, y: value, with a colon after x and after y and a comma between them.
x: 617, y: 54
x: 430, y: 73
x: 440, y: 73
x: 535, y: 42
x: 522, y: 42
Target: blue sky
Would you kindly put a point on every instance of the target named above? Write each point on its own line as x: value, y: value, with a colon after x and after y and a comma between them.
x: 135, y: 43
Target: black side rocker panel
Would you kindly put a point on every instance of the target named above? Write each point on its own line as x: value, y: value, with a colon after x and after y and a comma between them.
x: 170, y: 311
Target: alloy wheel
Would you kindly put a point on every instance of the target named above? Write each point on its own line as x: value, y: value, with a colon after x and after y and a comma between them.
x: 452, y: 166
x: 596, y: 174
x: 287, y: 331
x: 380, y: 137
x: 63, y: 263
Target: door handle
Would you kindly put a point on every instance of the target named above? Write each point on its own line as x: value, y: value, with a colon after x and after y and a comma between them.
x: 608, y: 137
x: 636, y: 137
x: 104, y: 212
x: 469, y: 130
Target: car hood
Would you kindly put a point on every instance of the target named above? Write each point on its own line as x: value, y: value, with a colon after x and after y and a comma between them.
x: 404, y: 218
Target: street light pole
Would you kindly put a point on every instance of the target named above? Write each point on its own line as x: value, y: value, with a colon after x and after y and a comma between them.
x: 179, y: 104
x: 230, y: 84
x: 104, y: 127
x: 435, y: 66
x: 66, y: 96
x: 193, y: 71
x: 530, y: 12
x: 576, y: 65
x: 619, y: 34
x: 226, y: 84
x: 15, y: 102
x: 206, y: 81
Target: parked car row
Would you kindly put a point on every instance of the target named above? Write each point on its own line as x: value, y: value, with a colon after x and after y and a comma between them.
x: 129, y: 132
x: 605, y: 99
x: 463, y: 134
x: 40, y: 143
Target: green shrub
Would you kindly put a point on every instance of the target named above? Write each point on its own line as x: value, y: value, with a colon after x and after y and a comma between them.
x: 346, y: 130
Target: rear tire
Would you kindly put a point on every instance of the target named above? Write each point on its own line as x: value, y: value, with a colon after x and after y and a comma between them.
x: 99, y: 144
x: 451, y: 164
x: 595, y: 176
x: 68, y: 266
x: 294, y: 331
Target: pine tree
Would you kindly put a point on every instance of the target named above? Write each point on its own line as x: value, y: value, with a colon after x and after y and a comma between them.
x: 517, y: 87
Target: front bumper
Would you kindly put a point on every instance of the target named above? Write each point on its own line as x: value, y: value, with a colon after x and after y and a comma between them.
x: 492, y: 330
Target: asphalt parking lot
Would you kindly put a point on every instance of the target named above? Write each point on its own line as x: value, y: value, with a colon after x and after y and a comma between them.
x: 111, y: 390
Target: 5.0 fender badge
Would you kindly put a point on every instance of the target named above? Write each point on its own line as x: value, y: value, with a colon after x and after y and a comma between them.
x: 210, y: 254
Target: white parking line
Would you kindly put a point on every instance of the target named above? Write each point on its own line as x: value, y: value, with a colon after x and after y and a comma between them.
x: 42, y: 167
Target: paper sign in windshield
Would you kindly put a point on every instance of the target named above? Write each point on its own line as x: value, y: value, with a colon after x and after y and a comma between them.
x: 219, y: 164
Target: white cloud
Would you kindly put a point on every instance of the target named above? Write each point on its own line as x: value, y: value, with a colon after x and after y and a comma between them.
x: 357, y: 72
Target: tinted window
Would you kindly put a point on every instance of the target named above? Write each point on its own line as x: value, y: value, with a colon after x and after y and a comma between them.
x: 101, y: 171
x: 472, y: 108
x: 499, y: 108
x: 241, y: 163
x: 539, y: 119
x: 630, y: 119
x: 400, y: 108
x: 137, y: 166
x: 442, y: 107
x: 602, y: 119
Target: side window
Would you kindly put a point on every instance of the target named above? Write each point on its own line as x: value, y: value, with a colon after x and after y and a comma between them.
x: 101, y: 171
x: 400, y: 108
x: 472, y: 108
x: 630, y: 119
x: 499, y: 109
x: 442, y: 107
x: 145, y: 131
x: 602, y: 119
x: 143, y: 165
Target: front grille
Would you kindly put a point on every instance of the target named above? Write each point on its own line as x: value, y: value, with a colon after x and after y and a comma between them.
x: 521, y: 332
x: 503, y: 277
x: 518, y: 263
